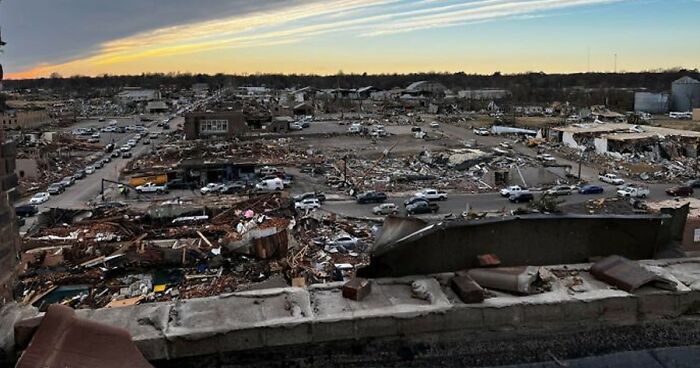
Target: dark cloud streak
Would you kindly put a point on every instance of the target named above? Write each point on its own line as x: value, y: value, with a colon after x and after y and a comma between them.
x: 53, y: 31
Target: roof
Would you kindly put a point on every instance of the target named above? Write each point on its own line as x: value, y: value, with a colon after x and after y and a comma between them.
x: 627, y: 131
x: 686, y: 80
x: 415, y: 85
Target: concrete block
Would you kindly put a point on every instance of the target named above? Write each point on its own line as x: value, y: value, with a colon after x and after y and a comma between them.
x: 659, y: 305
x: 376, y: 327
x: 323, y: 331
x: 537, y: 314
x: 429, y: 322
x: 289, y: 334
x: 689, y: 302
x: 464, y: 318
x: 622, y: 310
x: 581, y: 311
x: 510, y: 316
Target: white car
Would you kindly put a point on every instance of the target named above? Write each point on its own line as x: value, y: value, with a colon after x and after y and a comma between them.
x: 633, y: 192
x: 481, y: 131
x: 295, y: 126
x: 125, y: 148
x: 96, y: 135
x: 131, y: 143
x: 151, y: 188
x: 307, y: 204
x: 90, y: 170
x: 434, y: 124
x: 431, y: 195
x: 211, y: 188
x: 546, y: 157
x: 40, y: 198
x: 513, y: 189
x: 611, y: 179
x: 385, y: 209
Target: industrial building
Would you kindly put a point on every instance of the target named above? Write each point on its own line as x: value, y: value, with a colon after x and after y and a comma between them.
x: 653, y: 103
x: 685, y: 94
x: 134, y: 95
x: 427, y: 88
x: 215, y: 125
x: 24, y: 118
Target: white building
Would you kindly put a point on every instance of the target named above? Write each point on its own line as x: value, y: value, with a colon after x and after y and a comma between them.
x: 135, y: 95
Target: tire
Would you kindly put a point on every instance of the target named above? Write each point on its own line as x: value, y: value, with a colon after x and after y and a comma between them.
x: 158, y: 191
x: 443, y: 198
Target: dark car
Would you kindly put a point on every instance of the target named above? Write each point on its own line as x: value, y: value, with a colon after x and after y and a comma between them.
x: 414, y: 200
x: 109, y: 148
x: 166, y: 126
x: 80, y: 174
x: 422, y: 207
x: 126, y: 155
x: 305, y: 124
x: 320, y: 196
x: 26, y: 210
x: 232, y: 188
x: 181, y: 184
x: 56, y: 188
x: 371, y: 197
x: 680, y: 191
x: 694, y: 183
x: 590, y: 189
x: 116, y: 154
x: 521, y: 197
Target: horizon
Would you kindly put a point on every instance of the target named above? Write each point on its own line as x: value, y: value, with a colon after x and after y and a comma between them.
x: 294, y: 37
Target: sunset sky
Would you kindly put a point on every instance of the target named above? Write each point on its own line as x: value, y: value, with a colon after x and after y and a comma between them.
x: 92, y: 37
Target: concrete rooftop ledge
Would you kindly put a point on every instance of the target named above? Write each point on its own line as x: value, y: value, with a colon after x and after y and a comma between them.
x: 396, y: 307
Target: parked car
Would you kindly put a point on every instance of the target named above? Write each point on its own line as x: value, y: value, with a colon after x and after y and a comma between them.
x: 106, y: 159
x: 413, y: 200
x: 268, y: 170
x: 371, y: 197
x: 125, y: 148
x: 559, y: 190
x: 481, y: 131
x: 98, y: 164
x: 432, y: 194
x: 385, y: 209
x: 126, y: 155
x: 295, y: 126
x: 680, y: 191
x: 210, y: 188
x: 89, y: 170
x: 611, y: 179
x: 109, y: 148
x: 26, y: 210
x: 434, y: 124
x: 320, y: 196
x: 40, y: 198
x: 56, y: 188
x: 422, y: 207
x: 307, y: 204
x: 67, y: 181
x: 546, y: 157
x: 693, y: 183
x: 232, y: 188
x: 116, y: 154
x: 507, y: 192
x: 180, y: 184
x: 521, y: 197
x: 146, y: 142
x: 151, y: 188
x: 80, y: 174
x: 590, y: 189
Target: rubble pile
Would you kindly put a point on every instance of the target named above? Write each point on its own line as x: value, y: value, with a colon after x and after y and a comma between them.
x: 121, y: 256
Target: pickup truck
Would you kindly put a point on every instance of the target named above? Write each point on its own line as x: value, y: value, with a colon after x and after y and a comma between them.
x: 432, y: 195
x: 611, y: 179
x: 371, y: 197
x: 507, y: 192
x: 151, y: 188
x: 633, y: 192
x: 422, y: 207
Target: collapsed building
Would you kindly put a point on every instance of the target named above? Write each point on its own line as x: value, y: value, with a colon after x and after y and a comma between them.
x: 652, y: 143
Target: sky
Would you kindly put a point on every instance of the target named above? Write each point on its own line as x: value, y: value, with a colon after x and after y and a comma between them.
x: 94, y: 37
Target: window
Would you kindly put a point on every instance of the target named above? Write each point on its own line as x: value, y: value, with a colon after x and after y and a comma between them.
x: 213, y: 126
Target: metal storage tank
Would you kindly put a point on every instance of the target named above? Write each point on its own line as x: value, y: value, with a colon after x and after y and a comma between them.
x: 653, y: 103
x: 685, y: 94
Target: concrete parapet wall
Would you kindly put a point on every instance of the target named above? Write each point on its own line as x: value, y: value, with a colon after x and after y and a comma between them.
x: 293, y: 317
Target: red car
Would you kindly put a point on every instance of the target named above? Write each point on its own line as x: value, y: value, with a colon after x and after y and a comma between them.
x: 680, y: 191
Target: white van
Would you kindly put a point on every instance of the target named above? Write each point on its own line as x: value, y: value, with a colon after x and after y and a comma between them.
x: 355, y: 128
x: 270, y: 185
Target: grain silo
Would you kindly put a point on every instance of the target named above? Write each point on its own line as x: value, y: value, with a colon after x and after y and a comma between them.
x: 685, y: 94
